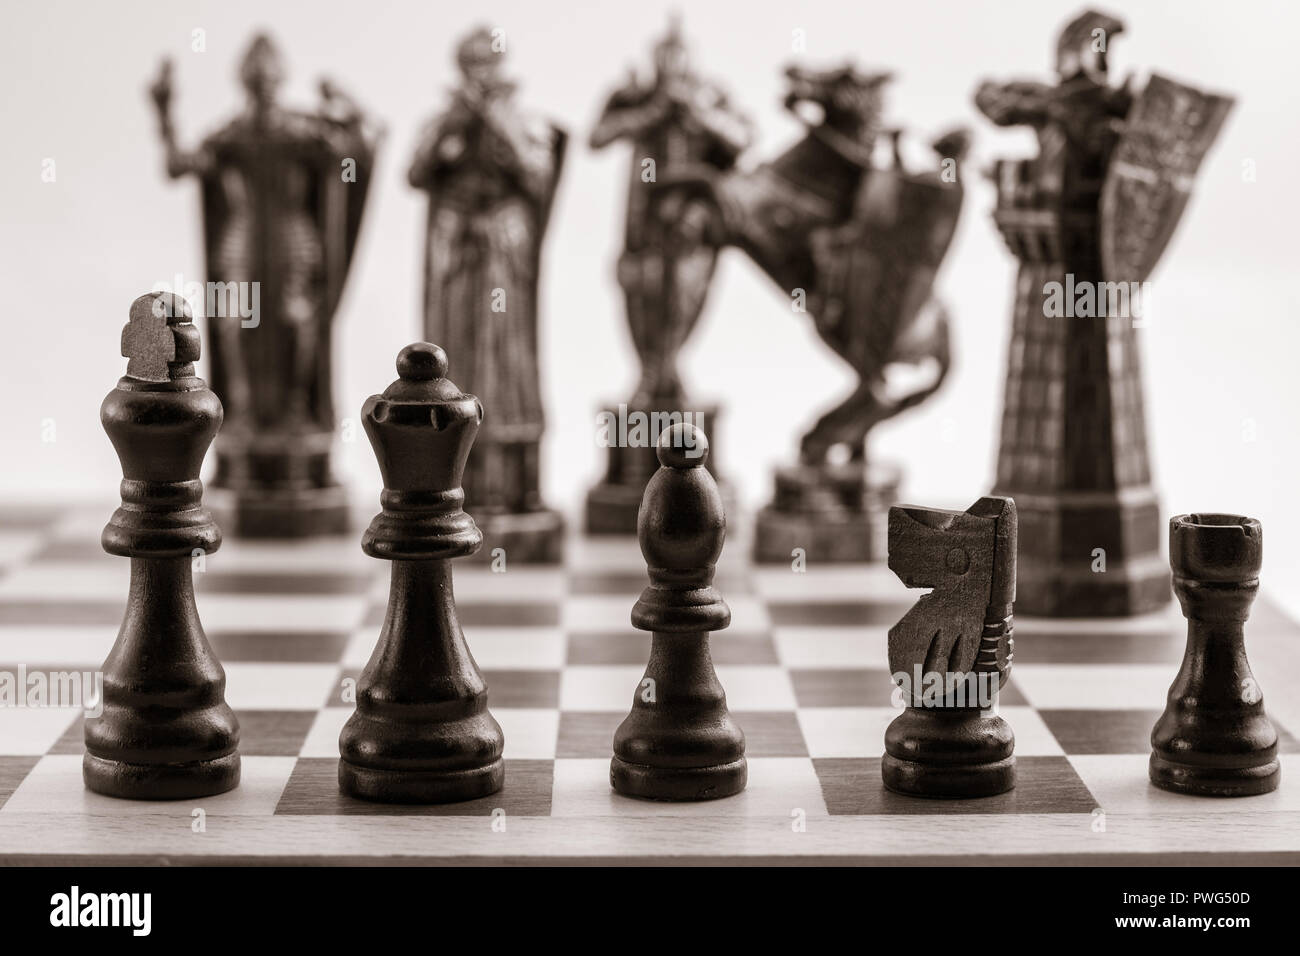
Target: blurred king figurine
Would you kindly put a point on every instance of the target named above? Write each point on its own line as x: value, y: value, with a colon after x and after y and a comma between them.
x: 491, y: 171
x: 676, y: 122
x: 283, y: 194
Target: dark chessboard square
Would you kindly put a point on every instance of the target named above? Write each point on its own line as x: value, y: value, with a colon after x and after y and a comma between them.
x: 523, y: 688
x: 251, y: 582
x: 73, y: 740
x: 28, y: 517
x: 313, y: 789
x: 836, y: 613
x: 632, y: 583
x: 294, y: 647
x: 13, y: 770
x: 273, y: 733
x: 79, y: 550
x: 1100, y: 647
x: 1120, y: 731
x: 613, y: 648
x: 506, y: 688
x: 64, y: 613
x: 842, y: 687
x: 767, y: 734
x: 1043, y: 785
x: 497, y: 614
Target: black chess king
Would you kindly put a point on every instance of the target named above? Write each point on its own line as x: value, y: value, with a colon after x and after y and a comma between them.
x: 166, y: 732
x: 421, y: 732
x: 1088, y: 219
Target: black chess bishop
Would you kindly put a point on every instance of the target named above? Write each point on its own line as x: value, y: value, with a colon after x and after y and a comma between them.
x: 680, y: 742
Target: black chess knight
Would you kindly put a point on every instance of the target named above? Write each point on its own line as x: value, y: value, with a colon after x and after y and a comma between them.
x: 166, y: 732
x: 491, y: 170
x: 951, y: 653
x: 678, y: 123
x: 856, y: 245
x: 283, y: 193
x: 1088, y: 218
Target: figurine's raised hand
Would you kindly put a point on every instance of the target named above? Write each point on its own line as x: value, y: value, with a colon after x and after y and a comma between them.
x: 160, y: 91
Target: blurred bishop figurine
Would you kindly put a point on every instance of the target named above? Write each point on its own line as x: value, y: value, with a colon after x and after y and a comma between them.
x: 491, y: 170
x: 165, y: 732
x: 283, y: 193
x: 679, y: 742
x: 1088, y: 219
x: 677, y: 121
x: 421, y: 732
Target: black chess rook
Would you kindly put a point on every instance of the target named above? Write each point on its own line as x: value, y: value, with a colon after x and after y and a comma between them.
x: 421, y: 732
x: 951, y: 653
x: 680, y: 742
x: 1214, y: 738
x: 165, y: 732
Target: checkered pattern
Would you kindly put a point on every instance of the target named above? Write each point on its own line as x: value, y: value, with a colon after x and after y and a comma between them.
x: 802, y: 664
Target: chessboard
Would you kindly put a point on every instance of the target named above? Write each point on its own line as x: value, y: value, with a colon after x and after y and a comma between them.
x: 803, y: 664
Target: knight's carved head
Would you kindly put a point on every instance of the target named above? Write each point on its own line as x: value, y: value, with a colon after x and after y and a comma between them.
x: 1083, y: 45
x: 479, y: 56
x: 262, y: 70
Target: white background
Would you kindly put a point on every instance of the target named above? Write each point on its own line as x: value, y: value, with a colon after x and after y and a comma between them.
x: 1220, y: 350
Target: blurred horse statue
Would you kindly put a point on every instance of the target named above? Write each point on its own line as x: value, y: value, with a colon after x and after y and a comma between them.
x: 854, y: 243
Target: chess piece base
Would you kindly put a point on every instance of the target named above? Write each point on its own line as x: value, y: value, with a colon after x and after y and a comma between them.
x: 281, y: 513
x: 1214, y: 781
x: 1064, y: 536
x: 184, y: 781
x: 534, y: 537
x: 834, y: 514
x: 949, y: 754
x: 678, y: 783
x: 421, y: 786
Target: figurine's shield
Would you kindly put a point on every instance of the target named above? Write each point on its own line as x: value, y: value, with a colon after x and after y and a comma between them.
x: 1168, y: 132
x: 876, y: 272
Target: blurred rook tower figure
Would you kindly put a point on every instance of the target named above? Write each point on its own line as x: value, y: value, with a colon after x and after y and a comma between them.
x: 283, y: 194
x: 491, y: 171
x: 676, y: 122
x: 1088, y: 218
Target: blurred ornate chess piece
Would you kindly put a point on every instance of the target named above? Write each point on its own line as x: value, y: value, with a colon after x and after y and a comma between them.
x: 857, y: 245
x: 283, y: 194
x: 676, y: 122
x: 1088, y: 218
x: 491, y: 172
